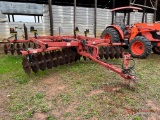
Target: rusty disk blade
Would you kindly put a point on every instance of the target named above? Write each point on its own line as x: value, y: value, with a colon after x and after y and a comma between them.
x: 18, y: 49
x: 34, y: 46
x: 61, y: 57
x: 34, y: 65
x: 75, y: 54
x: 101, y: 52
x: 42, y: 62
x: 71, y: 55
x: 12, y: 49
x: 79, y: 57
x: 49, y: 61
x: 23, y: 46
x: 84, y: 58
x: 55, y: 59
x: 106, y: 52
x: 112, y: 52
x: 122, y: 50
x: 76, y: 57
x: 26, y: 66
x: 29, y: 45
x: 5, y: 49
x: 118, y: 52
x: 66, y: 55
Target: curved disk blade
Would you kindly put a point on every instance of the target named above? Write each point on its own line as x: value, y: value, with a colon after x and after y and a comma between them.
x: 34, y: 46
x: 101, y: 52
x: 26, y: 66
x: 34, y: 65
x: 29, y: 45
x: 106, y: 52
x: 79, y: 57
x: 112, y: 52
x: 12, y: 49
x: 61, y: 57
x: 118, y: 52
x: 49, y: 61
x: 55, y: 59
x: 42, y: 62
x: 122, y: 50
x: 23, y: 46
x: 18, y: 49
x: 75, y: 55
x: 72, y: 55
x: 5, y: 49
x: 84, y: 58
x: 67, y: 56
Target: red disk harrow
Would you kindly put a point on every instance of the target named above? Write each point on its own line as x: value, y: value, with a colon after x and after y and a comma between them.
x: 52, y: 51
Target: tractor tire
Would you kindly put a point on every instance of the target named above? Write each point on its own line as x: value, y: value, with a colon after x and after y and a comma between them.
x: 112, y: 34
x: 140, y: 47
x: 156, y: 50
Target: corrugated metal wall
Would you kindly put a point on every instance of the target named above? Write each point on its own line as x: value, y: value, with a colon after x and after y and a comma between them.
x: 63, y: 19
x: 25, y: 8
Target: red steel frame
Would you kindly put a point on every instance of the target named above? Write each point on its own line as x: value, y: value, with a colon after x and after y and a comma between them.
x: 50, y: 43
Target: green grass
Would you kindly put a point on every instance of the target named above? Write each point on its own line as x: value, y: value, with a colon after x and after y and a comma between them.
x: 71, y: 91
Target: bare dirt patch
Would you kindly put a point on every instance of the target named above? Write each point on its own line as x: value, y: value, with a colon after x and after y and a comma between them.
x: 3, y: 98
x: 95, y: 92
x: 54, y: 87
x: 155, y: 109
x: 39, y: 116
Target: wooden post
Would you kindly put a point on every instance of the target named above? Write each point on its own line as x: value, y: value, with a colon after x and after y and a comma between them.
x: 113, y: 13
x: 74, y: 18
x: 51, y: 16
x: 13, y: 18
x: 9, y: 18
x: 95, y: 19
x: 144, y: 11
x: 35, y: 19
x: 155, y: 11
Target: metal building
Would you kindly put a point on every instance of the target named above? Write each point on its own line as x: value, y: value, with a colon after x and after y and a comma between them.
x: 64, y: 15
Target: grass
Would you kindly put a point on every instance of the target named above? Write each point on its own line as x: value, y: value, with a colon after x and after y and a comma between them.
x: 77, y: 91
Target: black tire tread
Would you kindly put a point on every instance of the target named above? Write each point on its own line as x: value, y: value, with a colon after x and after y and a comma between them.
x: 112, y: 32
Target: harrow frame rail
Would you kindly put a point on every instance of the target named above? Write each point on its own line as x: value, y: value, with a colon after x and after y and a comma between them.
x: 84, y: 46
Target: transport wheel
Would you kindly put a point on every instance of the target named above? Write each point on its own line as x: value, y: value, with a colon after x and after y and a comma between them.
x: 112, y: 34
x: 140, y: 47
x: 156, y: 50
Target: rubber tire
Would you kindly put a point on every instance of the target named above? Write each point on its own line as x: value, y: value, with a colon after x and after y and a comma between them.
x: 115, y: 38
x: 147, y: 45
x: 155, y: 51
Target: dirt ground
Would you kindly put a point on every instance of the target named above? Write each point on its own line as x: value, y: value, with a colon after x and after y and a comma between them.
x: 82, y: 90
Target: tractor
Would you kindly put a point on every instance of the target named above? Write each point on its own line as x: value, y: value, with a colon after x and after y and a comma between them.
x: 142, y: 38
